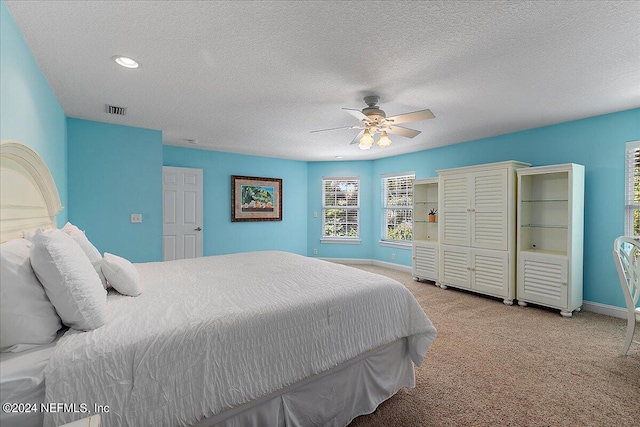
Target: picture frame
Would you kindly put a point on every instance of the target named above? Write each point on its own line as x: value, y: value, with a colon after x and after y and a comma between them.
x: 256, y: 199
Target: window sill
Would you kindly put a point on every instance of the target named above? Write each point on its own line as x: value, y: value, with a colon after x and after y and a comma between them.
x: 343, y: 241
x: 402, y: 245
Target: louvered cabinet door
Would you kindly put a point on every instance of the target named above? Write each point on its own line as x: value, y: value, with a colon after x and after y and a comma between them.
x: 491, y: 273
x: 455, y: 266
x: 489, y: 226
x: 454, y: 210
x: 425, y: 261
x: 542, y: 279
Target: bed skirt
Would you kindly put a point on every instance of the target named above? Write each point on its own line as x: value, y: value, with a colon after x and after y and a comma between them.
x: 332, y: 398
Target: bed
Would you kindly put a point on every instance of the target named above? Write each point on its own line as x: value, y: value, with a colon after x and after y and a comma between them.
x: 260, y: 338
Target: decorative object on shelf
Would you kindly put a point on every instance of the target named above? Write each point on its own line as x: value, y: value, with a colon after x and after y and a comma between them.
x: 432, y: 215
x: 256, y: 199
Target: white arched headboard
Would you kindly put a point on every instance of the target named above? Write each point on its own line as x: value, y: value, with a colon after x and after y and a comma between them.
x: 28, y: 195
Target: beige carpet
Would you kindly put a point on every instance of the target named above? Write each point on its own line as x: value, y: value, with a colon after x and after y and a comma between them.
x: 494, y: 365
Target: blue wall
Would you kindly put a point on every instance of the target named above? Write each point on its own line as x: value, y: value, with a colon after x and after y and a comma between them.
x: 29, y: 110
x: 115, y: 171
x: 221, y: 236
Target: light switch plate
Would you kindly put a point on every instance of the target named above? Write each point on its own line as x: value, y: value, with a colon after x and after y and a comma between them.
x: 136, y: 218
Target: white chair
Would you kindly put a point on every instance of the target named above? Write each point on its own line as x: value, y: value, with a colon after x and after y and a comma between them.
x: 626, y: 255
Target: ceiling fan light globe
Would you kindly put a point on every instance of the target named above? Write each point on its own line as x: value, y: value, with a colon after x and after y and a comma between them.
x: 366, y: 140
x: 365, y: 144
x: 384, y: 140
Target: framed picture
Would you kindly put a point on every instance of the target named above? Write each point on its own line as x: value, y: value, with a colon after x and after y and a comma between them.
x: 256, y: 199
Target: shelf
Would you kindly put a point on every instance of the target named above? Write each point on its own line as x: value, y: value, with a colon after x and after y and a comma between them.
x: 544, y: 200
x: 434, y: 240
x: 544, y: 252
x: 425, y: 222
x: 544, y: 226
x: 426, y: 203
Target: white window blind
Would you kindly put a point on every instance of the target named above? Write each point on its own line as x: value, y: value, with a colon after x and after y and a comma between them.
x: 397, y: 207
x: 341, y: 207
x: 632, y: 189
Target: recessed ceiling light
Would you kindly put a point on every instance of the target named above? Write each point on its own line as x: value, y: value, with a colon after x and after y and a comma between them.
x: 126, y: 62
x: 339, y: 157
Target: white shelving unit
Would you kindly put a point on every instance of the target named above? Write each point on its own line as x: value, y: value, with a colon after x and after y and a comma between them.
x: 425, y: 230
x: 550, y: 236
x: 477, y: 228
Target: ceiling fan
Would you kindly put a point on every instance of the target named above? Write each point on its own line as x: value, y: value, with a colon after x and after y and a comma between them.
x: 373, y: 121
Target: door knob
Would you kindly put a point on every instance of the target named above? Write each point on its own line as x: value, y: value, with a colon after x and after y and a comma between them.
x: 199, y: 229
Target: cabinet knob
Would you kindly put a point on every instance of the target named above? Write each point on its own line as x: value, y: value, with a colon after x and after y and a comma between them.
x: 198, y: 229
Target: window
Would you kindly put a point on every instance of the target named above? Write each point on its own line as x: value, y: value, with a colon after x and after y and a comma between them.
x: 397, y: 207
x: 341, y: 209
x: 632, y: 190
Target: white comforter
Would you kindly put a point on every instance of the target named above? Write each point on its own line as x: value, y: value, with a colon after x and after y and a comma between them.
x: 211, y: 333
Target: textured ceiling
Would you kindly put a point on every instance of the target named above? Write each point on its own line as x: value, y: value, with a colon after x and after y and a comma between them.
x: 257, y: 77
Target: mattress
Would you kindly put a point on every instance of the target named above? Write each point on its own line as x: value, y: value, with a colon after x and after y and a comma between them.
x: 213, y: 333
x: 22, y: 381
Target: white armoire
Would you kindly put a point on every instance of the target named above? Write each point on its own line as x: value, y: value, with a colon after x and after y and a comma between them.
x: 550, y: 236
x: 425, y: 229
x: 477, y: 228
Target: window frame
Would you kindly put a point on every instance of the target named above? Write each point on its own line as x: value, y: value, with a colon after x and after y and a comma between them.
x: 340, y: 239
x: 384, y: 240
x: 632, y: 181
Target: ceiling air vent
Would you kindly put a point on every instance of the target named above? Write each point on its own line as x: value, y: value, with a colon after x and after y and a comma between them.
x: 118, y: 111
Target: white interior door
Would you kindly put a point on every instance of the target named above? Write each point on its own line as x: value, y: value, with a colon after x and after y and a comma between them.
x: 181, y: 213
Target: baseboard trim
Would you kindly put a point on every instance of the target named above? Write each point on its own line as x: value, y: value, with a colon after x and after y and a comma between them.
x: 391, y: 265
x: 609, y: 310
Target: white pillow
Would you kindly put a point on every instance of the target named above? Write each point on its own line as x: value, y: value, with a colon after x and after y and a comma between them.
x: 27, y: 316
x: 92, y: 253
x: 69, y: 279
x: 121, y: 274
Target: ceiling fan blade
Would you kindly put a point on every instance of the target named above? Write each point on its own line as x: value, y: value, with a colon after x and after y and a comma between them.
x: 357, y: 114
x: 402, y: 131
x: 343, y: 127
x: 411, y: 117
x: 356, y: 140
